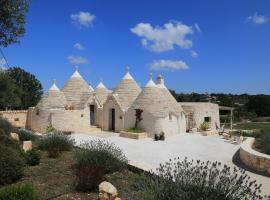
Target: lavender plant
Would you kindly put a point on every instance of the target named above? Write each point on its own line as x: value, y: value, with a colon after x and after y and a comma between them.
x: 190, y: 180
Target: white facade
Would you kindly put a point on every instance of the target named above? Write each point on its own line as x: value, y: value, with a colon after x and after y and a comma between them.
x: 78, y: 108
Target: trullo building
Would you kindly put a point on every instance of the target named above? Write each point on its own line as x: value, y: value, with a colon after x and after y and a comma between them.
x: 79, y: 108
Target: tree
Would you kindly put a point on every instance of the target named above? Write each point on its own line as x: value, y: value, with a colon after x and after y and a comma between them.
x: 138, y: 115
x: 260, y: 104
x: 12, y: 20
x: 9, y: 92
x: 30, y: 86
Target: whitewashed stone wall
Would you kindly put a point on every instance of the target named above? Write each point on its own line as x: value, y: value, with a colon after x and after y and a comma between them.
x: 63, y: 120
x: 106, y: 116
x: 202, y: 110
x: 153, y: 125
x: 252, y: 158
x: 17, y: 118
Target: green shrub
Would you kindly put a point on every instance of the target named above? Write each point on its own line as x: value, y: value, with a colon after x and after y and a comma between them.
x: 50, y: 129
x: 194, y: 180
x: 264, y: 141
x: 204, y: 126
x: 26, y: 135
x: 32, y: 157
x: 55, y: 143
x: 11, y: 165
x: 21, y: 192
x: 7, y: 141
x: 5, y: 126
x: 101, y: 154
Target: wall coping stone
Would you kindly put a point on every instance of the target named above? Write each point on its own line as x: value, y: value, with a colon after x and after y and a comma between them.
x: 252, y: 158
x: 247, y: 146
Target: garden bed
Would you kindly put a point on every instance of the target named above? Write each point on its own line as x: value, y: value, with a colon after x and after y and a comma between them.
x: 54, y: 178
x: 133, y: 135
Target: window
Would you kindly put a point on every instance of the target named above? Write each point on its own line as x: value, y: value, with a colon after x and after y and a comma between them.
x: 16, y: 119
x: 170, y: 117
x: 207, y: 119
x: 37, y: 112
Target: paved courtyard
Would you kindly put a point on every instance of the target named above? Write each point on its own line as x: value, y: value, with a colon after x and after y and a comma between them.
x: 148, y: 154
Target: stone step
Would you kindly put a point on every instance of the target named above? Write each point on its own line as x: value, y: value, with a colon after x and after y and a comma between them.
x: 94, y: 129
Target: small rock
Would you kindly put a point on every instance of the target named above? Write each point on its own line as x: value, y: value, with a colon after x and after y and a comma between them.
x: 27, y: 145
x: 107, y: 191
x: 14, y: 136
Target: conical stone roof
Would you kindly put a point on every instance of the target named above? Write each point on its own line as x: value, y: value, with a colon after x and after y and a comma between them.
x: 152, y: 100
x: 77, y: 91
x: 102, y: 92
x: 53, y: 99
x: 168, y: 96
x: 127, y: 91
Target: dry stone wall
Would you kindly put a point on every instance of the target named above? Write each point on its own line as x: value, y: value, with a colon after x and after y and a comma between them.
x: 254, y: 159
x: 16, y: 118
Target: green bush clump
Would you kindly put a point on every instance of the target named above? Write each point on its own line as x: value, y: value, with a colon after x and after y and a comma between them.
x: 32, y: 157
x: 20, y: 192
x: 262, y: 142
x: 26, y: 135
x: 55, y: 143
x: 5, y: 140
x: 95, y: 159
x: 102, y: 154
x: 204, y: 126
x: 50, y: 128
x: 5, y: 126
x: 11, y: 165
x: 188, y: 180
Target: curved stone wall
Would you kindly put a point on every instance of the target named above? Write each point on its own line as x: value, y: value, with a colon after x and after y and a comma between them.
x: 254, y: 159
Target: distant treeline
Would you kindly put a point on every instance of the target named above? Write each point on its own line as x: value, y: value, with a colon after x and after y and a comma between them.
x: 246, y: 106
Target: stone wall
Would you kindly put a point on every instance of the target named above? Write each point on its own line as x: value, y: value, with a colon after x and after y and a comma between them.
x: 170, y: 125
x: 254, y: 159
x: 17, y: 118
x: 200, y: 111
x: 63, y: 120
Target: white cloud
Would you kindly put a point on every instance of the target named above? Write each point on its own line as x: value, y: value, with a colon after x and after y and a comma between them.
x: 194, y: 54
x: 168, y: 65
x: 160, y: 39
x: 79, y: 46
x: 257, y: 19
x: 82, y: 19
x: 77, y: 60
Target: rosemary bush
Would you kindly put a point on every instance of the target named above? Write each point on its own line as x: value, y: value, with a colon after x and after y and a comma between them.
x: 189, y: 180
x: 102, y: 154
x: 55, y: 143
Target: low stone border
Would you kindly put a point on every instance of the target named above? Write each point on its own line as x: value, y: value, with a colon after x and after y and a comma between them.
x: 254, y: 159
x: 209, y: 133
x: 131, y: 135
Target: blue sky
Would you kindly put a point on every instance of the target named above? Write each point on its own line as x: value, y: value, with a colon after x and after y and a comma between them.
x: 199, y: 46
